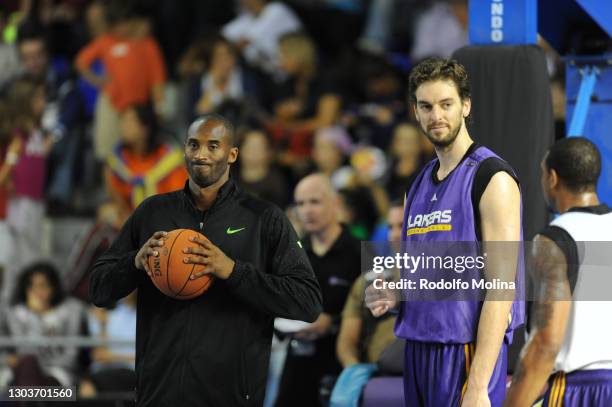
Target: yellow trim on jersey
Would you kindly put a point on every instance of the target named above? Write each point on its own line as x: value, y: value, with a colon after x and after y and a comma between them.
x: 433, y: 228
x: 553, y: 388
x: 561, y: 390
x: 557, y: 391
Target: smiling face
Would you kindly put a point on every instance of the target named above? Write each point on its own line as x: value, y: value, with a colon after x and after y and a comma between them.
x: 209, y: 152
x: 440, y: 111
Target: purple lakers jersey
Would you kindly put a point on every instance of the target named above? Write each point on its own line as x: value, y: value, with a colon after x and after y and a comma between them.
x: 443, y: 211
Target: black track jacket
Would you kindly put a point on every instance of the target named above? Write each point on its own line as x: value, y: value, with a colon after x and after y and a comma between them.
x: 212, y: 350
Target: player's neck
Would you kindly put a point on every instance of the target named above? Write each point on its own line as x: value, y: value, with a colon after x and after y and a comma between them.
x: 450, y: 156
x: 568, y: 200
x: 323, y: 240
x: 205, y: 197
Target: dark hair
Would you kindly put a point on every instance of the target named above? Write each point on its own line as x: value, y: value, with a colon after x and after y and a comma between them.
x: 25, y: 281
x: 6, y: 123
x: 118, y: 11
x: 201, y: 120
x: 396, y: 203
x: 433, y: 69
x: 148, y: 118
x: 210, y: 43
x: 30, y: 30
x: 244, y: 132
x: 20, y: 96
x: 577, y: 162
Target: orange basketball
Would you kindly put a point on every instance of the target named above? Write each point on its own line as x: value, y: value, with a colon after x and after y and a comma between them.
x: 171, y: 275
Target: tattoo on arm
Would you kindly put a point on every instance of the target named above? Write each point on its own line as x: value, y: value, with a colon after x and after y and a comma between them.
x: 551, y: 280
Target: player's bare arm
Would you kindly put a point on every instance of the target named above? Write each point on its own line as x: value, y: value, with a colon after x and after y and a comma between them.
x: 500, y: 214
x: 550, y: 316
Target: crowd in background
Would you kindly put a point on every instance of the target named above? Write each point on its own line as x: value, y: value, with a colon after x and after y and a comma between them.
x: 95, y: 99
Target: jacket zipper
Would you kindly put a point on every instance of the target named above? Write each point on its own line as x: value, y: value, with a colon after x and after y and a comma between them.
x: 187, y: 334
x: 204, y: 218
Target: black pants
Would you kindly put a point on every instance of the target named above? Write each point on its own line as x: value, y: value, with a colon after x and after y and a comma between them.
x: 303, y: 376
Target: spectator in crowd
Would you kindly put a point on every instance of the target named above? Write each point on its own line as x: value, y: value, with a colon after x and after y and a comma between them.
x: 335, y: 258
x: 26, y: 205
x: 97, y: 25
x: 305, y: 102
x: 257, y: 30
x: 95, y: 17
x: 61, y: 22
x: 113, y: 368
x: 134, y: 73
x: 405, y: 160
x: 93, y: 243
x: 365, y: 200
x: 257, y: 173
x: 377, y: 31
x: 440, y: 30
x: 141, y: 165
x: 331, y: 148
x: 10, y: 147
x: 9, y: 62
x: 40, y: 309
x: 380, y: 101
x: 363, y: 338
x: 223, y: 80
x: 63, y: 113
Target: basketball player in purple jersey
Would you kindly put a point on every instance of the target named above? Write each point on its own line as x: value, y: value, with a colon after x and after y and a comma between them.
x: 456, y: 350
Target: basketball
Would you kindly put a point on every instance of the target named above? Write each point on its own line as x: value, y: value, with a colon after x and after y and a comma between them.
x: 173, y: 277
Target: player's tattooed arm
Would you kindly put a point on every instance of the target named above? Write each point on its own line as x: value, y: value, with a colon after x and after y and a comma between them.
x: 550, y: 315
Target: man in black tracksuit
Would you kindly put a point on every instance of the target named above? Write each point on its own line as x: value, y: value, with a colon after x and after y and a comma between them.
x: 212, y: 350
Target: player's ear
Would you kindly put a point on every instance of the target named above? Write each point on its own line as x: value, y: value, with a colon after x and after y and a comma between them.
x: 466, y: 107
x: 553, y: 178
x: 414, y: 112
x: 233, y: 155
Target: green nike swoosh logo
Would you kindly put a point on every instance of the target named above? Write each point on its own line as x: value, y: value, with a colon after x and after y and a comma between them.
x: 231, y: 231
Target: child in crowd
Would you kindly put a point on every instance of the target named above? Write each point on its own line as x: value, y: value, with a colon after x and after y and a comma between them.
x: 134, y: 72
x: 26, y: 205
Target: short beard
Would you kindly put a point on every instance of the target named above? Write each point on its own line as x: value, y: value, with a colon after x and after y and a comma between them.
x: 444, y: 142
x: 203, y: 181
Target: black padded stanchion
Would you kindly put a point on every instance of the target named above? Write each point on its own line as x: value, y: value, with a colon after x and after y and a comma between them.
x: 512, y: 115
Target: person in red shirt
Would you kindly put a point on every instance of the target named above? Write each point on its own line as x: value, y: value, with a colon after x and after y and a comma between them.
x: 134, y: 73
x: 27, y: 174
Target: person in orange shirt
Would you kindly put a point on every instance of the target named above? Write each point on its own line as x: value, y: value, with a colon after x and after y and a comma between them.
x: 141, y: 165
x: 134, y: 72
